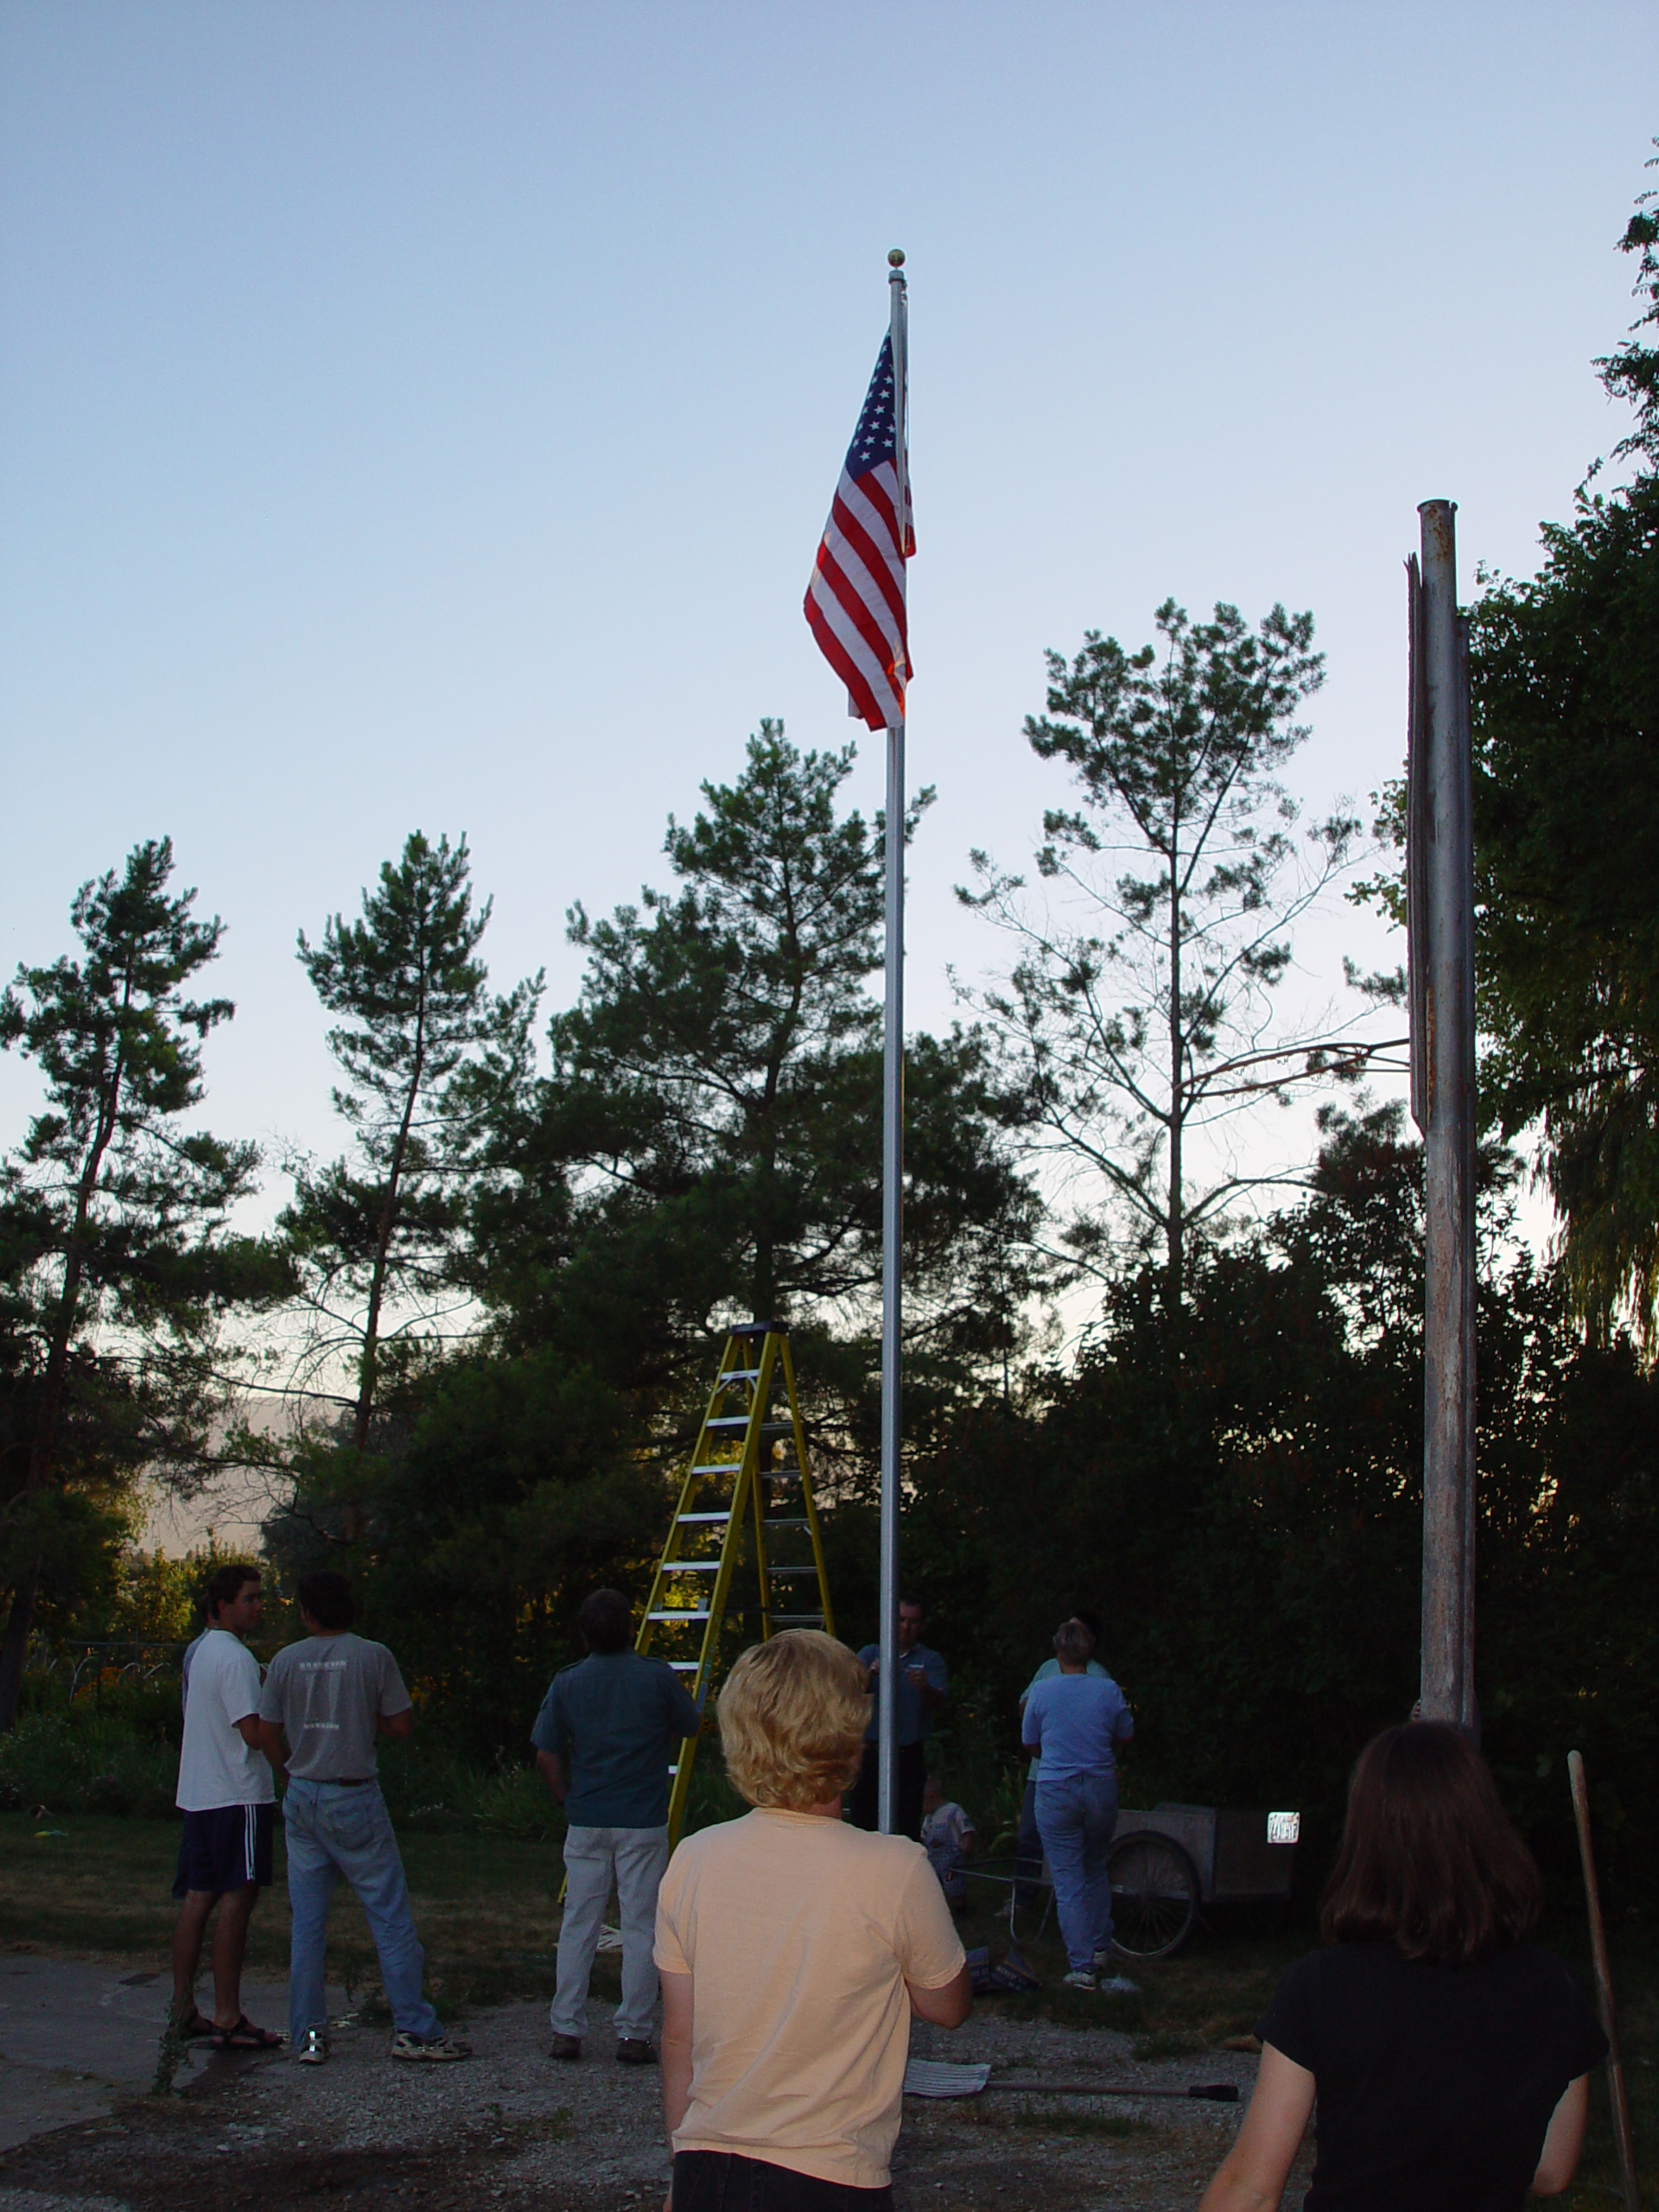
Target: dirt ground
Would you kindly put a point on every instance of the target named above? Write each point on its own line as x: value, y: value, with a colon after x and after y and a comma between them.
x: 512, y: 2127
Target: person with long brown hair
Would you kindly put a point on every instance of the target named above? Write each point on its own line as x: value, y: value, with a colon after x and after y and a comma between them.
x: 1450, y: 2055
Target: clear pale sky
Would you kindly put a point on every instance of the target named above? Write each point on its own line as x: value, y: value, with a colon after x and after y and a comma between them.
x: 424, y: 416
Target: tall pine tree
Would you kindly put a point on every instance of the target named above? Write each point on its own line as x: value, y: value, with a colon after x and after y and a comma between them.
x: 116, y: 1257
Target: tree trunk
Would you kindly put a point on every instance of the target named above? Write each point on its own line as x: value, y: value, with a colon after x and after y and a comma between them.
x: 368, y: 1368
x: 14, y: 1646
x: 1174, y: 1225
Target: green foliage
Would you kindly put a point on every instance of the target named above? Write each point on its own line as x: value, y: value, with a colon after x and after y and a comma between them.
x: 1247, y: 1518
x: 425, y: 1052
x: 1565, y: 696
x: 109, y: 1751
x: 471, y: 1546
x: 116, y: 1263
x: 1152, y: 1019
x: 707, y: 1147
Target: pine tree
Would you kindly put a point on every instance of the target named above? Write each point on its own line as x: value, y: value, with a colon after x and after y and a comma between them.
x: 115, y: 1255
x: 1151, y: 1020
x: 426, y: 1053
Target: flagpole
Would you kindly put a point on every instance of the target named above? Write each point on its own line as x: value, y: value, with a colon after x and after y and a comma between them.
x: 892, y: 1106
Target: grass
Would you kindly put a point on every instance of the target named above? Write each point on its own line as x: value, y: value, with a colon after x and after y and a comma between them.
x: 1052, y: 2118
x: 487, y: 1915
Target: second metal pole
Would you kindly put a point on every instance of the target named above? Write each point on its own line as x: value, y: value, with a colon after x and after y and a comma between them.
x: 1448, y: 1627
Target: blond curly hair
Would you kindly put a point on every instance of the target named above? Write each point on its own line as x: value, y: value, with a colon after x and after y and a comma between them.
x: 792, y: 1717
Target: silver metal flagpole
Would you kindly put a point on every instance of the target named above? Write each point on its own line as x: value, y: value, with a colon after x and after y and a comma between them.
x: 892, y: 1155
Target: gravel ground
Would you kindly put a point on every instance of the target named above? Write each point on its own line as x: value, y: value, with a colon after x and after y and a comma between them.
x: 513, y: 2128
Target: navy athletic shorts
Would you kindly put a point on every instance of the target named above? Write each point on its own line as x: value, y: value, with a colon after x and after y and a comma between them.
x: 225, y: 1848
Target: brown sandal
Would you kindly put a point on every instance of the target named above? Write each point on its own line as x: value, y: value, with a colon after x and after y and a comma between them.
x: 245, y: 2036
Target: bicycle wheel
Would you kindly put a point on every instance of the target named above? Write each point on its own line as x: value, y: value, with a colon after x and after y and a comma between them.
x: 1154, y: 1896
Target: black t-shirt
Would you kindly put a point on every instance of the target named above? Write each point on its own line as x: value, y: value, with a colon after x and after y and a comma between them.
x: 1435, y: 2083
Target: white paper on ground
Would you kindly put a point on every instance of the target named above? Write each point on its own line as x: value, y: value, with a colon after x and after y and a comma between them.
x: 934, y: 2077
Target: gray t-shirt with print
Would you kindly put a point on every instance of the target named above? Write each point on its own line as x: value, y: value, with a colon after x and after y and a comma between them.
x: 327, y: 1693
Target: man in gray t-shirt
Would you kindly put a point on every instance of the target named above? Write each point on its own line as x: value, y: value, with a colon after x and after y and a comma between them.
x: 328, y: 1698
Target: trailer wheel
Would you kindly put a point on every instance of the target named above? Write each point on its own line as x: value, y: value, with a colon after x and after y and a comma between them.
x: 1154, y: 1896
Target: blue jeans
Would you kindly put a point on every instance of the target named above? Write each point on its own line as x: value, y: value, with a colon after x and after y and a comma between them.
x: 333, y: 1830
x: 1075, y: 1818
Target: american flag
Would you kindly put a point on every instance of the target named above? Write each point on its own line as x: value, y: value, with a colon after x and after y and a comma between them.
x: 856, y: 601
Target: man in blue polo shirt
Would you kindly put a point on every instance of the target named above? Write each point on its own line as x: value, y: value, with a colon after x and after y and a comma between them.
x: 921, y: 1689
x: 608, y: 1729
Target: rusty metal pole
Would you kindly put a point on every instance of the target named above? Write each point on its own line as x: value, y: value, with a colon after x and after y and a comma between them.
x: 1447, y: 1000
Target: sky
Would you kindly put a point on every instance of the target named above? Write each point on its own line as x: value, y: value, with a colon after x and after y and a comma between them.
x: 424, y: 416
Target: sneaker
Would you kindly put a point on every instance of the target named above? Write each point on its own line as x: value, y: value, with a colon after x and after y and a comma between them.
x: 312, y: 2048
x: 1121, y: 1986
x: 405, y: 2045
x: 566, y: 2047
x: 1080, y: 1979
x: 636, y: 2051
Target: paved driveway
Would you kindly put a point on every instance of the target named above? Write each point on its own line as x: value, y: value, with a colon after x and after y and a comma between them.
x: 74, y: 2038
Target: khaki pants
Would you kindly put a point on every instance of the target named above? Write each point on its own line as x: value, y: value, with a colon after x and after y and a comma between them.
x: 635, y: 1858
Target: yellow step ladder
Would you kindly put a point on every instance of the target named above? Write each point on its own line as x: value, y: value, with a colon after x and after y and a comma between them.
x: 747, y: 1491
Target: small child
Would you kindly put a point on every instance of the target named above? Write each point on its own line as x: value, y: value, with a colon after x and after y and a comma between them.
x: 948, y: 1839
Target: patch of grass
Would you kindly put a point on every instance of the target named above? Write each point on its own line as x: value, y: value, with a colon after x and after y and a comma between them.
x: 1050, y: 2116
x: 486, y: 1909
x: 1060, y: 2121
x: 1166, y: 2042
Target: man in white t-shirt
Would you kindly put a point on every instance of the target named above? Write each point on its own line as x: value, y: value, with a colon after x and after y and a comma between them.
x: 228, y: 1800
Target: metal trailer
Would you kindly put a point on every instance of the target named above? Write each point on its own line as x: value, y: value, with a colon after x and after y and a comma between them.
x: 1167, y: 1864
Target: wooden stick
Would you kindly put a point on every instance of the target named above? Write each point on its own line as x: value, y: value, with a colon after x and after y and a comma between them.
x: 1622, y: 2137
x: 1219, y: 2093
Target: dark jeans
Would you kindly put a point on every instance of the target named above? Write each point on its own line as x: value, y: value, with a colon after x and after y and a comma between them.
x: 719, y: 2181
x: 912, y: 1781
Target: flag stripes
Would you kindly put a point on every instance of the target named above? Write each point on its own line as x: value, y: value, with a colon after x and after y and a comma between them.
x: 855, y: 600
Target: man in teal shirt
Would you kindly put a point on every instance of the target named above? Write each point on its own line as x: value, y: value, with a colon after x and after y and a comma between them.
x: 607, y: 1732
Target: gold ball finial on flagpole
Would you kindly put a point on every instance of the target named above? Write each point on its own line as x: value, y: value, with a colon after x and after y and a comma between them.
x: 896, y: 258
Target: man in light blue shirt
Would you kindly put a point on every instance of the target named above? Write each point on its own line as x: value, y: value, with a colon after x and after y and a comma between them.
x: 1028, y: 1845
x: 1076, y: 1721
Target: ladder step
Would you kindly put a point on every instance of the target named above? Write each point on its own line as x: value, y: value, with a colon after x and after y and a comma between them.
x: 714, y: 1516
x: 720, y: 1467
x: 697, y: 1566
x: 738, y: 1374
x: 741, y: 1420
x: 679, y: 1613
x: 685, y: 1666
x: 800, y: 1620
x: 810, y: 1568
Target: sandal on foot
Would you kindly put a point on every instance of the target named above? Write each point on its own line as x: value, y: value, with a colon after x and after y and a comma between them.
x: 245, y: 2036
x: 196, y: 2029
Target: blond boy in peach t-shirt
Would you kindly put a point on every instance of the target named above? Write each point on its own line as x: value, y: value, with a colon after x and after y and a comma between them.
x: 794, y: 1948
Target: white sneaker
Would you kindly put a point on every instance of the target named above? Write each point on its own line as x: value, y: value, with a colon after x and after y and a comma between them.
x: 1080, y: 1979
x: 405, y: 2045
